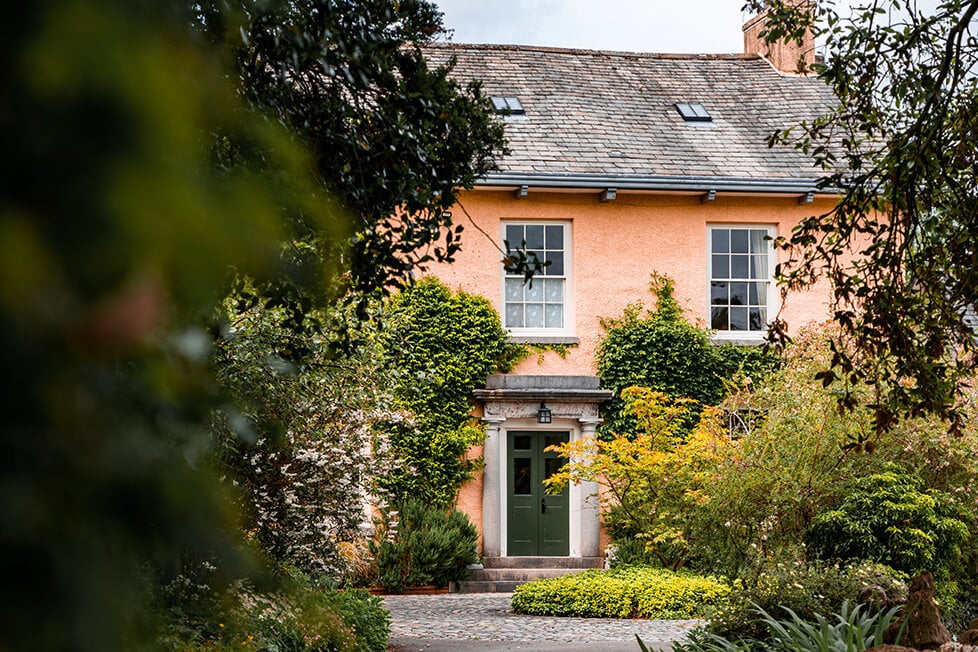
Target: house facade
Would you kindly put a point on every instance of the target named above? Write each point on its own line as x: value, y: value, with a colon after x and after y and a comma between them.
x: 620, y: 165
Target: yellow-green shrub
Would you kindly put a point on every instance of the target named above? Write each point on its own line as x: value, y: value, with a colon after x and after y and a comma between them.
x: 622, y: 593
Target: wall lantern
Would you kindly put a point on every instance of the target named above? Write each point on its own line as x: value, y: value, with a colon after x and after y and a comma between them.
x: 543, y: 414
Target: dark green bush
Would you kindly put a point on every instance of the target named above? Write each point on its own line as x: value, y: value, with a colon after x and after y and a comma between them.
x: 426, y: 545
x: 441, y: 345
x: 623, y: 592
x: 366, y: 615
x: 890, y: 518
x: 293, y: 618
x: 806, y: 589
x: 661, y: 350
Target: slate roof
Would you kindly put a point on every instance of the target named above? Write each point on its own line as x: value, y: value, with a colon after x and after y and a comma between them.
x: 611, y: 116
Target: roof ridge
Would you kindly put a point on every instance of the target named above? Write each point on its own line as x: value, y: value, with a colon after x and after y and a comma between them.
x: 513, y: 47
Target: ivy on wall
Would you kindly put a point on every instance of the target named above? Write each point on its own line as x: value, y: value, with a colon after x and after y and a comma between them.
x: 441, y: 345
x: 659, y: 349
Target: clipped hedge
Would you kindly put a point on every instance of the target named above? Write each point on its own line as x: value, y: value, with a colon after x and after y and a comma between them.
x: 625, y: 592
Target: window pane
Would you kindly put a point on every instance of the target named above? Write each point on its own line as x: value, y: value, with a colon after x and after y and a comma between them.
x: 514, y: 289
x: 720, y: 241
x: 758, y: 317
x: 752, y: 296
x: 554, y: 290
x: 718, y: 319
x: 522, y: 442
x: 555, y: 316
x: 738, y: 241
x: 758, y: 267
x: 758, y: 241
x: 534, y: 236
x: 555, y: 237
x: 556, y: 267
x: 534, y: 316
x: 719, y: 293
x: 514, y: 236
x: 514, y: 315
x: 738, y: 319
x: 521, y: 476
x: 721, y: 266
x: 533, y: 290
x: 534, y: 255
x: 739, y: 266
x: 738, y: 294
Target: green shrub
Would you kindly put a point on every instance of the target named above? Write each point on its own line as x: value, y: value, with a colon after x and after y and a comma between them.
x: 806, y: 589
x: 892, y: 519
x: 364, y: 613
x: 661, y: 350
x: 425, y: 545
x: 624, y: 592
x: 441, y: 345
x: 294, y: 618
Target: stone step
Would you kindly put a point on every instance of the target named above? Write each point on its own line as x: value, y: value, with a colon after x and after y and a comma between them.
x: 504, y: 574
x: 543, y: 562
x: 518, y: 574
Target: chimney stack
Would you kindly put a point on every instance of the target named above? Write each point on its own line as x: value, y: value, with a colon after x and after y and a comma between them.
x: 789, y: 57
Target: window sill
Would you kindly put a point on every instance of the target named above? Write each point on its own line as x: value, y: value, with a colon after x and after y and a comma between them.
x: 745, y: 339
x: 543, y: 339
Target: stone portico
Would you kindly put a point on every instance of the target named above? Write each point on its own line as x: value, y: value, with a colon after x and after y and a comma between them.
x: 511, y: 404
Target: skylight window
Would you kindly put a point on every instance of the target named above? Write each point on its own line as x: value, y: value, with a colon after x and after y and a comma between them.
x: 507, y: 106
x: 693, y: 112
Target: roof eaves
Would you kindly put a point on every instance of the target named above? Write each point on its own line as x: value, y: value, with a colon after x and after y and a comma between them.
x: 788, y: 185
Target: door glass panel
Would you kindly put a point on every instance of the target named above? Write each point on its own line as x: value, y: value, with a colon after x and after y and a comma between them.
x: 553, y: 440
x: 521, y: 442
x: 521, y: 476
x: 552, y: 465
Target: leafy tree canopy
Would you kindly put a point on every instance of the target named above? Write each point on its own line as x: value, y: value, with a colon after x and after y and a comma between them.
x: 899, y: 245
x: 392, y: 138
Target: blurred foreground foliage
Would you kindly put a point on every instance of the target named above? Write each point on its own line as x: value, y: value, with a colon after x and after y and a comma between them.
x: 140, y: 181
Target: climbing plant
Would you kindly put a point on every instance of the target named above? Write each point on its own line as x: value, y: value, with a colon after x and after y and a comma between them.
x: 660, y: 349
x: 441, y: 345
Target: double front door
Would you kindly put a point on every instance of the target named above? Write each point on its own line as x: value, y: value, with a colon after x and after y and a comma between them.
x: 537, y: 521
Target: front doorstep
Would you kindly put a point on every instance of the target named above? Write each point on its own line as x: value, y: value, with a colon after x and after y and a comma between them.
x: 504, y: 574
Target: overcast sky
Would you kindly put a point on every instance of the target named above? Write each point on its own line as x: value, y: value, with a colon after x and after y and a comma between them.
x: 688, y: 26
x: 679, y: 26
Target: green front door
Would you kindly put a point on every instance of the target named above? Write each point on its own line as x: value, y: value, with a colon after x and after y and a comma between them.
x: 537, y: 521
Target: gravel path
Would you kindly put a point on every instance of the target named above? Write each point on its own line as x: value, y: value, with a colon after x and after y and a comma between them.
x: 484, y: 621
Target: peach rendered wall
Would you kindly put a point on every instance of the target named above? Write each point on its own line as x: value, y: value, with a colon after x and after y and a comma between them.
x: 615, y: 246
